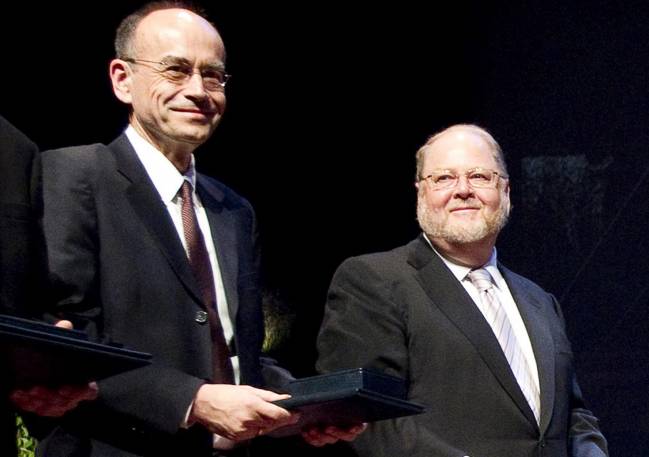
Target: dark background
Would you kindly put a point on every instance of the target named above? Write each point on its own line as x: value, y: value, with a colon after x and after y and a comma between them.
x: 327, y: 106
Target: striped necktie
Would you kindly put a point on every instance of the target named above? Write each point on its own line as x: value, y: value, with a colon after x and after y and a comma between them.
x: 496, y: 316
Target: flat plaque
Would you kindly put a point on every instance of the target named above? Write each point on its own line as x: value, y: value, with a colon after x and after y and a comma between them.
x: 38, y: 353
x: 345, y: 398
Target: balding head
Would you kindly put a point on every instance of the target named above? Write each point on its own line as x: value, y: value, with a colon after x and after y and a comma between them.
x: 125, y: 35
x: 463, y: 129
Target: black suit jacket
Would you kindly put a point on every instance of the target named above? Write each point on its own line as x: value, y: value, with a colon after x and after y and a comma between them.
x: 120, y: 272
x: 405, y: 313
x: 21, y: 252
x: 21, y: 248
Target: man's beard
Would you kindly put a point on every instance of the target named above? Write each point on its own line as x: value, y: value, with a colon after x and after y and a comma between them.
x: 458, y: 233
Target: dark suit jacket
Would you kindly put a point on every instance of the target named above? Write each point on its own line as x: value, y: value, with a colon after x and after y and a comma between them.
x: 120, y: 272
x: 405, y: 313
x: 21, y: 251
x: 21, y: 248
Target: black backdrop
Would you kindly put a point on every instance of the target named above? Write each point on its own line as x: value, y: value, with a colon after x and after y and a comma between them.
x: 328, y: 104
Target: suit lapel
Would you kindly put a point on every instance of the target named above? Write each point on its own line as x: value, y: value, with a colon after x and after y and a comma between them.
x: 452, y: 299
x: 146, y: 203
x: 541, y: 339
x: 224, y: 235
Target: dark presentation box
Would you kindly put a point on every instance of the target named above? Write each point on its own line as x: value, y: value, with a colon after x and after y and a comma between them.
x: 345, y: 398
x: 33, y: 352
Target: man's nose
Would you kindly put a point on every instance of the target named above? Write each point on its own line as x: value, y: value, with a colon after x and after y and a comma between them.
x: 462, y: 188
x: 194, y: 85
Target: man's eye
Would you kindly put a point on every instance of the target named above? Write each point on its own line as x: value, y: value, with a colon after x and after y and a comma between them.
x: 479, y: 176
x: 212, y: 74
x: 176, y: 71
x: 443, y: 178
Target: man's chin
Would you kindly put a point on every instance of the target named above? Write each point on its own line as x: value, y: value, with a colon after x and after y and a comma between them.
x: 466, y: 236
x: 461, y: 234
x: 195, y: 135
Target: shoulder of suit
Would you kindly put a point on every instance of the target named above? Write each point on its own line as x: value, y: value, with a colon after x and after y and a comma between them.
x: 382, y: 262
x: 75, y: 162
x: 520, y: 281
x: 81, y: 152
x: 230, y: 196
x: 15, y: 140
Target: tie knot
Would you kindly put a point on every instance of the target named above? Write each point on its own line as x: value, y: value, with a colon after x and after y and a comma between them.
x: 481, y: 279
x: 186, y: 191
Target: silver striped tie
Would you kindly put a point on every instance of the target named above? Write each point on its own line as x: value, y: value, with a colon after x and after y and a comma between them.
x: 496, y: 316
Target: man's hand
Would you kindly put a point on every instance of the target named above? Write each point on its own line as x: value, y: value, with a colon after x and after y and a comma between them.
x: 317, y: 436
x: 53, y: 401
x: 64, y: 324
x: 239, y: 412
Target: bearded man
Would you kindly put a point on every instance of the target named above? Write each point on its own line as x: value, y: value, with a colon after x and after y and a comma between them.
x: 484, y: 349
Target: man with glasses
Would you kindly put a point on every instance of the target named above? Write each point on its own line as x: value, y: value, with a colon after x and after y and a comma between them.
x: 147, y: 252
x: 484, y: 349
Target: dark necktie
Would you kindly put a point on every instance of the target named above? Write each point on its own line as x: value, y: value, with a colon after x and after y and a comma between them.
x: 495, y: 314
x: 199, y: 261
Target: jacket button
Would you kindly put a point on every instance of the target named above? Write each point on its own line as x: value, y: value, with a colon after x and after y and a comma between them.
x: 201, y: 317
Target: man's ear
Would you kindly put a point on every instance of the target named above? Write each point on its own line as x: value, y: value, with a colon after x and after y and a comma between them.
x: 507, y: 188
x: 121, y: 78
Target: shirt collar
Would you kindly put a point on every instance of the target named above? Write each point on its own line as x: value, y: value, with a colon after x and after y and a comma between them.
x: 165, y: 177
x: 460, y: 271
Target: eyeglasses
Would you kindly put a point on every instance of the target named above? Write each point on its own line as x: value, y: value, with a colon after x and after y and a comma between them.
x: 476, y: 177
x: 180, y: 71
